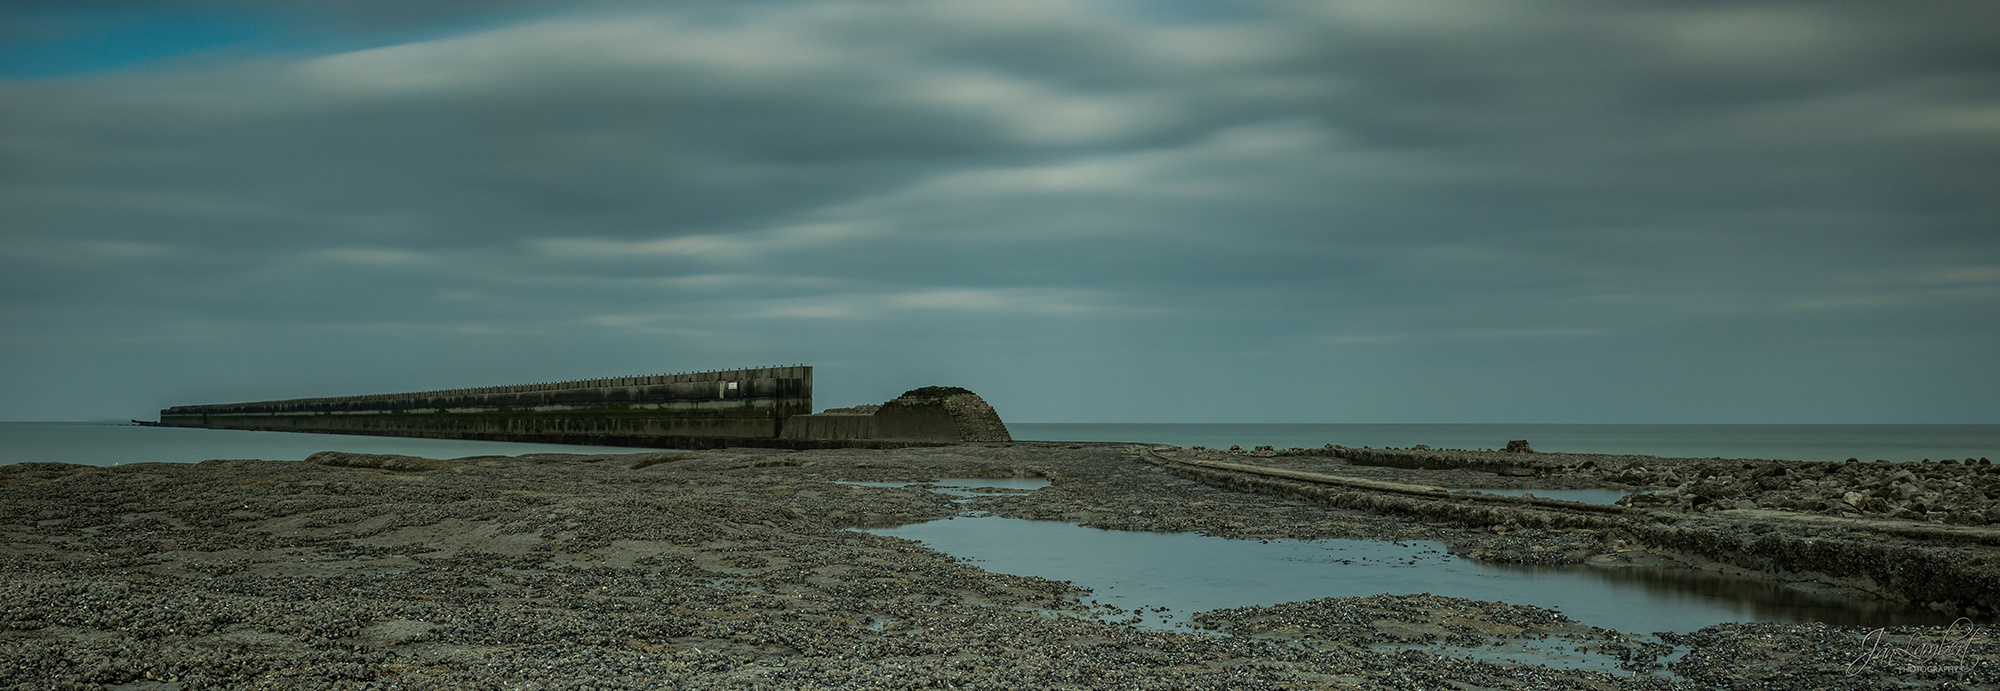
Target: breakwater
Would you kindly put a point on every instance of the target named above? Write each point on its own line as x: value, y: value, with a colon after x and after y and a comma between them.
x: 761, y: 407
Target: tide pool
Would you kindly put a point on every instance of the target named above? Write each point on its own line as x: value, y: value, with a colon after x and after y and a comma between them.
x: 1186, y: 573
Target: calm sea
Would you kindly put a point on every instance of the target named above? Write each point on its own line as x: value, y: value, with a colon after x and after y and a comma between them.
x: 108, y: 444
x: 1794, y: 442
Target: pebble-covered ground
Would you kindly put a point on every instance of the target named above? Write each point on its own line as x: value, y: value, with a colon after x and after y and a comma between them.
x: 733, y: 569
x: 1459, y: 625
x: 1947, y: 491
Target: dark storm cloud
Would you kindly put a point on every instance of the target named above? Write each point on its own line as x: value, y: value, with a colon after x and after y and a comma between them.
x: 1427, y: 206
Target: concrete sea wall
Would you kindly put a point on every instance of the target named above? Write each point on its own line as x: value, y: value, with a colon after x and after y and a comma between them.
x: 930, y: 413
x: 766, y: 406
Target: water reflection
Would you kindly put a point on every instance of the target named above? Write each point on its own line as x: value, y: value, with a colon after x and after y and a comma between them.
x: 1186, y: 573
x: 1756, y: 600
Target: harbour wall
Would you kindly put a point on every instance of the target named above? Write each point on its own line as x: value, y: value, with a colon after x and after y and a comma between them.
x: 766, y: 406
x: 932, y: 412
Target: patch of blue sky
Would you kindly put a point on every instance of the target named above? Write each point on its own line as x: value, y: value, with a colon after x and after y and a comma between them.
x: 84, y: 40
x: 50, y: 43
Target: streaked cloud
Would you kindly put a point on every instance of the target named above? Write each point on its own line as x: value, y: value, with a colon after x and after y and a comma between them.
x: 1413, y: 203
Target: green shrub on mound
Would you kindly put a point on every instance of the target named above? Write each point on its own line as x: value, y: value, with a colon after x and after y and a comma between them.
x: 934, y: 392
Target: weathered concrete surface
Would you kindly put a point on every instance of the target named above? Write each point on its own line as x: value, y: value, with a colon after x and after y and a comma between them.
x: 748, y: 403
x: 764, y: 407
x: 930, y: 414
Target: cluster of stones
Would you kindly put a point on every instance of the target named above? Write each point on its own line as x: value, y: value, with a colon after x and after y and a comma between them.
x: 1951, y: 491
x: 1948, y: 492
x: 1389, y: 621
x: 1765, y: 655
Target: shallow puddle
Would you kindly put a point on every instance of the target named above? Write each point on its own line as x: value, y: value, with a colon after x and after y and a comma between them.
x: 1172, y: 575
x: 1157, y: 580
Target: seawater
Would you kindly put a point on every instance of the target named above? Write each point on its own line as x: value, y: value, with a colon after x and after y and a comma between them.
x: 1169, y: 576
x: 109, y: 444
x: 1184, y: 573
x: 1791, y: 442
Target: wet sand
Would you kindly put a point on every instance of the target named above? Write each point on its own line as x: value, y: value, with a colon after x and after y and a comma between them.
x: 735, y: 569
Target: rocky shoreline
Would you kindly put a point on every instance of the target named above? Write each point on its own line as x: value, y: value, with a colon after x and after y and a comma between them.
x: 1950, y: 566
x: 737, y: 568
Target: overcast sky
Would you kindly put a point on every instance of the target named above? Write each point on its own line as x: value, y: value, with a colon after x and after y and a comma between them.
x: 1110, y: 211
